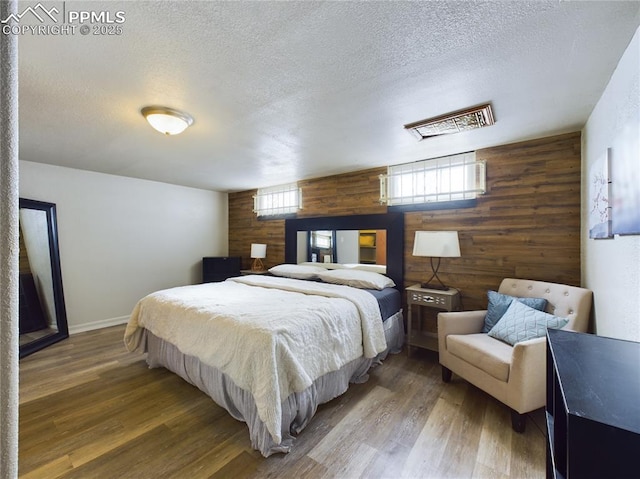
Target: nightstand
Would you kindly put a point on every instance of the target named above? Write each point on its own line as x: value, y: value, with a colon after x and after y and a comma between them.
x: 219, y: 268
x: 426, y: 335
x: 245, y: 272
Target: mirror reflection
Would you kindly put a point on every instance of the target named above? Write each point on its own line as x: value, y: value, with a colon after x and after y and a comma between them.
x: 343, y: 246
x: 37, y: 312
x: 322, y: 245
x: 42, y: 315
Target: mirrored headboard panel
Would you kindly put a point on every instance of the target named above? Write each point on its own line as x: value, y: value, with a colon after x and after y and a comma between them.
x: 392, y: 223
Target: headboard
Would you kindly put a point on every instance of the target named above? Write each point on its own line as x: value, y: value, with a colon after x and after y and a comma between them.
x: 393, y: 223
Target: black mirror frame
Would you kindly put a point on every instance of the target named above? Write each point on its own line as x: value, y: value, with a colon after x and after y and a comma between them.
x: 392, y: 222
x: 56, y: 272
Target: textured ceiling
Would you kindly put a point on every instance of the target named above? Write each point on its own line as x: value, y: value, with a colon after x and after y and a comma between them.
x: 282, y: 91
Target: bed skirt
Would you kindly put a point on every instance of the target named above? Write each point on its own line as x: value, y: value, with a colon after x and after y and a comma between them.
x: 297, y: 409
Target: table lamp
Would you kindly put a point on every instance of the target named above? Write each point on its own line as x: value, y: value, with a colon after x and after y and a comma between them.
x: 258, y: 251
x: 436, y: 244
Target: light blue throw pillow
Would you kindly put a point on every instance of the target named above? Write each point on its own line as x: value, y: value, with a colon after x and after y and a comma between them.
x: 499, y: 303
x: 521, y: 323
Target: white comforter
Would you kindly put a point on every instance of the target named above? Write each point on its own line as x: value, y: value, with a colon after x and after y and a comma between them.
x: 273, y: 336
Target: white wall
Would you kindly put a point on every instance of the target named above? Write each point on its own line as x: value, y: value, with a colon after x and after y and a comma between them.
x: 611, y: 267
x: 122, y: 238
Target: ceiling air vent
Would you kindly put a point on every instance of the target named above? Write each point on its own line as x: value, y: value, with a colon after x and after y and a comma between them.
x: 461, y: 120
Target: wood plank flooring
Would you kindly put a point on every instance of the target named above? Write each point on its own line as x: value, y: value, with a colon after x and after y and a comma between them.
x: 89, y: 409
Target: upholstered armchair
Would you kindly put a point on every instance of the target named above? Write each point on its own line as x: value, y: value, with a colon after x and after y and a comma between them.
x: 513, y: 374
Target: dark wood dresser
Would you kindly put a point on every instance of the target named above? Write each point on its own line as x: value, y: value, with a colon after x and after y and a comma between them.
x: 593, y: 406
x: 219, y: 268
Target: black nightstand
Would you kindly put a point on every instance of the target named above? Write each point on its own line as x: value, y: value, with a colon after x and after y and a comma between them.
x: 219, y: 268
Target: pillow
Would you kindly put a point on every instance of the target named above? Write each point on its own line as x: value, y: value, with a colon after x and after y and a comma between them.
x: 499, y: 303
x: 521, y: 322
x: 357, y: 278
x: 376, y: 268
x: 297, y: 271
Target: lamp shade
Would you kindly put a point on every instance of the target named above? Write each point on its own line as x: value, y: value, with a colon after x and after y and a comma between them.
x: 437, y: 244
x: 167, y: 120
x: 258, y: 250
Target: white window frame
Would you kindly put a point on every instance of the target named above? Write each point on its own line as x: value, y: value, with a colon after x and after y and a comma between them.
x: 445, y: 179
x: 277, y: 200
x: 322, y: 239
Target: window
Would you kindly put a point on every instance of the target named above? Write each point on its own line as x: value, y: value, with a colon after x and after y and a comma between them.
x: 278, y: 200
x: 446, y: 179
x: 322, y: 239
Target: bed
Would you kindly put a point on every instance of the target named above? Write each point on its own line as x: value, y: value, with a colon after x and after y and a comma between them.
x: 271, y: 348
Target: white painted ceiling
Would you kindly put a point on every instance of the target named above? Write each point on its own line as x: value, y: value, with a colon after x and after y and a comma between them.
x: 286, y: 90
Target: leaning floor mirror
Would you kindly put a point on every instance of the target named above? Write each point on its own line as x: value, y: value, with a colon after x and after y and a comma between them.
x: 42, y: 317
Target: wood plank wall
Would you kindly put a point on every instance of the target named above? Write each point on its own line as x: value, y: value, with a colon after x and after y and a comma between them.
x: 338, y: 195
x: 526, y: 226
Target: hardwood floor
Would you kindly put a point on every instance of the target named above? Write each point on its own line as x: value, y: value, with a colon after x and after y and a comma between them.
x: 89, y: 409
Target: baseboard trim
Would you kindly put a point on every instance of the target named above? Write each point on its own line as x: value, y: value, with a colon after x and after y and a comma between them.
x: 104, y: 323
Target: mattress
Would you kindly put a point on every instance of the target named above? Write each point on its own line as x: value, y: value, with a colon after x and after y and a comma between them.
x: 389, y: 301
x: 259, y: 345
x: 297, y: 409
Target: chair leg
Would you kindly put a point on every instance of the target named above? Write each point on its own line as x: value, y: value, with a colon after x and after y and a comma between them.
x: 518, y: 421
x: 446, y: 374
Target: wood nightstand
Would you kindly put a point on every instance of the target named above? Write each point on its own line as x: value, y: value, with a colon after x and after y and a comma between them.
x: 426, y: 335
x: 244, y: 272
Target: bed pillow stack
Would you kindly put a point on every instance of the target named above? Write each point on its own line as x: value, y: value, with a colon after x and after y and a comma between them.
x: 357, y: 279
x: 297, y: 271
x: 348, y: 277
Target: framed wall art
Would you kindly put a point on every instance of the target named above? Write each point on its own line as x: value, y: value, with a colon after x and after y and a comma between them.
x: 625, y: 171
x: 599, y: 198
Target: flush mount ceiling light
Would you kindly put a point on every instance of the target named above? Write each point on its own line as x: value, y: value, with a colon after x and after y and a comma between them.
x: 461, y: 120
x: 167, y: 120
